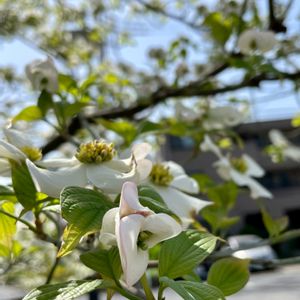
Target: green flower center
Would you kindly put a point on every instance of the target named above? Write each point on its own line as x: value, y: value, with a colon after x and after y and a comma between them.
x: 32, y: 153
x: 161, y: 175
x: 142, y: 238
x: 95, y: 152
x: 239, y: 164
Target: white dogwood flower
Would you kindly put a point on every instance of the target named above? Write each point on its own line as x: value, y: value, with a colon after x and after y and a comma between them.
x: 241, y: 171
x: 218, y: 117
x: 253, y: 40
x: 94, y: 164
x: 171, y: 182
x: 221, y: 117
x: 18, y: 147
x: 287, y: 149
x: 185, y: 113
x: 135, y: 229
x: 43, y: 75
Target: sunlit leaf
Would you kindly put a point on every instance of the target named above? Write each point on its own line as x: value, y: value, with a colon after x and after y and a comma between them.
x: 30, y: 113
x: 67, y: 290
x: 84, y: 210
x: 7, y: 228
x: 192, y: 247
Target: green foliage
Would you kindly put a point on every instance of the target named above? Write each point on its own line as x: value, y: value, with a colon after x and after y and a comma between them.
x: 229, y: 274
x: 125, y: 129
x: 45, y: 102
x: 274, y: 226
x: 224, y: 198
x: 105, y: 262
x: 84, y: 210
x: 204, y: 182
x: 296, y: 121
x: 190, y: 290
x: 23, y: 185
x: 224, y: 195
x: 150, y: 198
x: 192, y: 247
x: 7, y: 193
x: 219, y: 26
x: 7, y: 228
x: 67, y: 84
x: 29, y: 114
x: 66, y: 291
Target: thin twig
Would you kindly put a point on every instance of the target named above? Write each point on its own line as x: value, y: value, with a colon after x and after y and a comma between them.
x: 52, y: 270
x: 29, y: 225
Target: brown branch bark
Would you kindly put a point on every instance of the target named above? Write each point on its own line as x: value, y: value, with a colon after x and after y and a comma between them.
x: 275, y: 24
x: 194, y: 88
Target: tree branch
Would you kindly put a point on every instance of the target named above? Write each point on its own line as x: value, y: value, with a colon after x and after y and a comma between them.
x: 192, y: 89
x: 168, y: 15
x: 275, y: 24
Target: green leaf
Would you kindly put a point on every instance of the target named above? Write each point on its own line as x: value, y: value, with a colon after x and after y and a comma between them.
x: 147, y: 126
x: 296, y: 121
x: 71, y: 237
x: 4, y: 250
x: 224, y: 195
x: 7, y: 193
x: 146, y: 191
x: 105, y: 262
x: 190, y: 290
x: 123, y: 128
x: 23, y: 185
x: 204, y: 182
x: 219, y: 26
x: 84, y: 210
x: 74, y: 108
x: 274, y: 226
x: 150, y: 198
x: 7, y: 227
x: 45, y: 102
x: 67, y: 83
x: 229, y: 274
x: 217, y: 217
x: 192, y: 247
x: 67, y: 290
x: 30, y: 113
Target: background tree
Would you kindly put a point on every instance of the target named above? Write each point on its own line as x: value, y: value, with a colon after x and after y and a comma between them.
x: 227, y: 46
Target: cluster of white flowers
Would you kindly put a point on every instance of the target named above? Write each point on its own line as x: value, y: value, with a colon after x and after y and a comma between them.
x: 96, y: 165
x: 240, y: 170
x: 215, y: 117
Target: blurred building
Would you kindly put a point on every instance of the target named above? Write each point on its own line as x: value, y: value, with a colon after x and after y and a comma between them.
x: 283, y: 179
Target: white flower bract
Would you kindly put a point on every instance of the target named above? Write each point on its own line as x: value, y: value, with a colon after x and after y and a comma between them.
x: 174, y: 194
x: 253, y: 40
x: 227, y: 171
x: 108, y: 176
x: 43, y: 75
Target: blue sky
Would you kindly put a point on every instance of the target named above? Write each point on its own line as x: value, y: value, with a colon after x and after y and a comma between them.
x: 272, y: 101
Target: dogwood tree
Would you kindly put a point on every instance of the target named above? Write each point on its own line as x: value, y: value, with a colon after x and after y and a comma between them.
x: 88, y: 202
